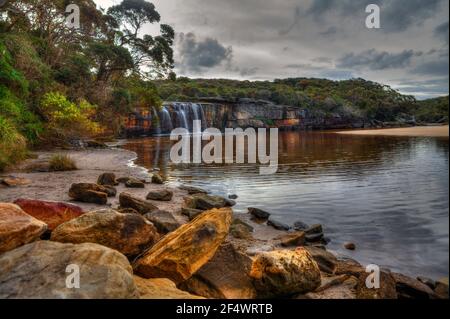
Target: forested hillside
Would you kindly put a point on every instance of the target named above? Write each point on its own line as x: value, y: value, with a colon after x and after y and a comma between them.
x: 59, y: 83
x: 355, y: 97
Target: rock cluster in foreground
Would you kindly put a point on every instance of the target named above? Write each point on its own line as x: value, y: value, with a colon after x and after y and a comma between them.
x: 139, y: 251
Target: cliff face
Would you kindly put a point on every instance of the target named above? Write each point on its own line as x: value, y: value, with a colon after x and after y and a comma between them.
x: 242, y: 114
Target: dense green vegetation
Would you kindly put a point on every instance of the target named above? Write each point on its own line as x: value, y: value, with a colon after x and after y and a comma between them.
x: 59, y: 83
x: 351, y: 98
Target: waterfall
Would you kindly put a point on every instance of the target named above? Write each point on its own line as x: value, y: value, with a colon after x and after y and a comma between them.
x: 165, y: 120
x: 181, y: 115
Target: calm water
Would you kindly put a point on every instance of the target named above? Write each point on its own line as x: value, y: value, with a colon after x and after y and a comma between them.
x: 389, y: 195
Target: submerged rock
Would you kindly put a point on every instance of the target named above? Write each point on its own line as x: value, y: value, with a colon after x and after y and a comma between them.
x: 128, y: 233
x: 107, y: 179
x: 183, y: 252
x: 283, y: 273
x: 350, y: 246
x: 225, y: 276
x: 278, y: 225
x: 160, y: 288
x: 51, y: 213
x: 89, y: 193
x: 298, y: 225
x: 258, y: 213
x: 17, y: 228
x: 163, y: 221
x: 161, y: 195
x: 129, y: 201
x: 41, y: 269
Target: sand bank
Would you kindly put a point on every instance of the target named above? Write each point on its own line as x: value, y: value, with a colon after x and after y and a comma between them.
x: 418, y: 131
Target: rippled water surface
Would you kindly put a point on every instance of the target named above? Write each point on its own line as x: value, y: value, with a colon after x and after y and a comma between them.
x: 389, y: 195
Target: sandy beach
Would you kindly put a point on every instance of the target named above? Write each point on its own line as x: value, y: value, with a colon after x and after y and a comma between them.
x: 418, y: 131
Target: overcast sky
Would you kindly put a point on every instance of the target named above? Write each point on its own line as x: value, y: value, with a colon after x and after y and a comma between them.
x: 264, y: 40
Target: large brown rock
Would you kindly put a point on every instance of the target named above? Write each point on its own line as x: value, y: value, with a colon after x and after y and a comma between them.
x: 160, y: 288
x: 410, y: 288
x: 183, y: 252
x: 339, y: 287
x: 387, y: 288
x: 89, y: 193
x: 51, y: 213
x: 127, y: 200
x: 204, y: 201
x: 327, y: 261
x: 38, y: 270
x: 225, y: 276
x: 163, y: 195
x: 163, y: 221
x: 17, y: 228
x: 108, y: 179
x: 128, y: 233
x: 283, y: 273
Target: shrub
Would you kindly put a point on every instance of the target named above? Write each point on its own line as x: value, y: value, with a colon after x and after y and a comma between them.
x: 62, y: 163
x: 67, y: 120
x: 13, y: 146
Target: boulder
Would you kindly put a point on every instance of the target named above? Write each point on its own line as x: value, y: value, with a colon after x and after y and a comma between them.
x: 107, y: 179
x: 123, y: 180
x: 161, y: 195
x: 160, y: 288
x: 111, y: 191
x: 128, y: 233
x: 129, y: 201
x: 283, y: 273
x: 233, y: 196
x: 441, y: 289
x: 193, y: 190
x: 409, y: 288
x: 294, y: 239
x: 258, y: 213
x: 314, y: 238
x: 163, y: 221
x: 327, y: 261
x: 278, y: 225
x: 157, y: 179
x: 183, y: 252
x: 335, y: 288
x: 241, y: 230
x: 15, y: 181
x: 387, y: 288
x: 191, y: 213
x: 40, y: 270
x: 314, y: 230
x: 51, y: 213
x: 89, y: 193
x: 205, y: 202
x: 17, y: 228
x: 134, y: 183
x: 300, y: 226
x: 349, y: 266
x: 225, y: 276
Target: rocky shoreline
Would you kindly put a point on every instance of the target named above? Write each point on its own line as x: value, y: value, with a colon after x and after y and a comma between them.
x: 132, y: 237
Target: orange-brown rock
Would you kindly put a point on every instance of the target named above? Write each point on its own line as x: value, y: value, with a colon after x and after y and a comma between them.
x: 142, y: 206
x: 183, y: 252
x: 160, y: 288
x: 89, y: 193
x: 17, y: 228
x: 283, y: 273
x: 387, y: 289
x: 128, y: 233
x: 51, y: 213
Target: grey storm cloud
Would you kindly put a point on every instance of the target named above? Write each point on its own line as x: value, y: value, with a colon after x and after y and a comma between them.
x: 436, y: 68
x: 441, y: 32
x: 376, y: 60
x: 396, y: 15
x: 197, y: 55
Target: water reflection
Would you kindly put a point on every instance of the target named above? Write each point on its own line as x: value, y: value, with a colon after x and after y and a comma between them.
x: 387, y: 194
